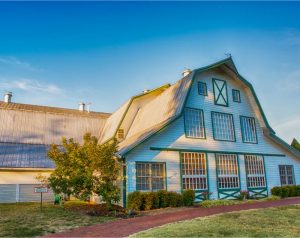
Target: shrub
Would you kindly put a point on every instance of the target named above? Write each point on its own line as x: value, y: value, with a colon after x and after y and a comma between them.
x: 244, y: 194
x: 179, y: 199
x: 216, y: 203
x: 135, y: 201
x: 276, y: 191
x: 293, y: 191
x: 298, y: 190
x: 172, y: 198
x: 163, y: 200
x: 188, y: 197
x: 147, y: 201
x: 286, y: 191
x: 150, y: 201
x: 155, y: 200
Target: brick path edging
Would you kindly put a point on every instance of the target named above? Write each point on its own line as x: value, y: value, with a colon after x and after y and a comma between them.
x: 126, y: 227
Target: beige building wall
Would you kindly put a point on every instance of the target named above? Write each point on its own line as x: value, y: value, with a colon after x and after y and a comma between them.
x: 21, y: 177
x: 18, y: 186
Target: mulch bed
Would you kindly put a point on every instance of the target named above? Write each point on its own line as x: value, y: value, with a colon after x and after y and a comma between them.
x: 97, y: 210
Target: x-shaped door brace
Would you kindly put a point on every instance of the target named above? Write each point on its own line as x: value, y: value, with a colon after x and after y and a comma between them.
x: 221, y: 92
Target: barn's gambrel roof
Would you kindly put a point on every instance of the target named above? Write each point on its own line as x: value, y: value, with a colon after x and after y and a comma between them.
x: 168, y: 107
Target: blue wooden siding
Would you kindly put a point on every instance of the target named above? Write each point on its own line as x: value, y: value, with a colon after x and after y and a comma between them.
x: 173, y: 137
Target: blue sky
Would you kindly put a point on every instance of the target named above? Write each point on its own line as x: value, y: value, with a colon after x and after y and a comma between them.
x: 59, y: 53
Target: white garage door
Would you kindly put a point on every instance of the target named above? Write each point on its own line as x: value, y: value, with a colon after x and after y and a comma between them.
x: 27, y: 194
x: 7, y: 193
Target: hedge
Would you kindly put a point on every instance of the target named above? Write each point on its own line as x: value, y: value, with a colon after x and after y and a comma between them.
x: 152, y: 200
x: 286, y: 191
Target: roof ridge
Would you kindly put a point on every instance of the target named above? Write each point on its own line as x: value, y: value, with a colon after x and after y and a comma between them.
x: 50, y: 109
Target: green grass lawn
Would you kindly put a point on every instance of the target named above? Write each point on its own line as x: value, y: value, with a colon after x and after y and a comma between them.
x: 270, y: 222
x: 26, y: 219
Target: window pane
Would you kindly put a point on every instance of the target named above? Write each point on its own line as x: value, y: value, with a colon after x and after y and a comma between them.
x: 194, y: 123
x: 236, y: 95
x: 286, y: 173
x: 193, y: 166
x: 143, y: 183
x: 223, y: 126
x: 255, y: 171
x: 202, y: 89
x: 150, y: 176
x: 227, y: 171
x: 158, y: 184
x: 248, y: 129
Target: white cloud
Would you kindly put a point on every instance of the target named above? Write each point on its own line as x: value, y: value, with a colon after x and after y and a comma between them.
x: 289, y: 129
x: 11, y: 60
x: 30, y: 85
x: 295, y: 122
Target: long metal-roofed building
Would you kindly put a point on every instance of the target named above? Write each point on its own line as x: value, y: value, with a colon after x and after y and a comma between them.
x: 26, y: 133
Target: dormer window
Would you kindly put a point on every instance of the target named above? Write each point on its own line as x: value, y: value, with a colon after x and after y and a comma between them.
x: 120, y: 134
x: 236, y: 95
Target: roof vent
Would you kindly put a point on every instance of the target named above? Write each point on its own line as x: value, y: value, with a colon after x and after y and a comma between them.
x: 7, y: 97
x: 146, y: 91
x: 186, y: 72
x: 88, y: 107
x: 81, y: 106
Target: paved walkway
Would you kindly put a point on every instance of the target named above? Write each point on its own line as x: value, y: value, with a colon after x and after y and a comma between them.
x: 126, y: 227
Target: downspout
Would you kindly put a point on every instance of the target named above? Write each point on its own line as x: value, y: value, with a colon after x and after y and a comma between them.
x: 124, y: 182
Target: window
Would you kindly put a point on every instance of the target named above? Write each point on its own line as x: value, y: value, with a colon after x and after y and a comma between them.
x: 150, y: 176
x: 202, y: 88
x: 248, y: 129
x: 236, y: 95
x: 223, y: 128
x: 120, y: 134
x: 255, y: 171
x: 194, y: 171
x: 227, y: 171
x: 220, y: 92
x: 286, y: 173
x: 194, y: 123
